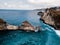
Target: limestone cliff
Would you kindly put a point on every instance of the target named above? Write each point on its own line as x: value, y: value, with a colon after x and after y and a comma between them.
x: 51, y: 16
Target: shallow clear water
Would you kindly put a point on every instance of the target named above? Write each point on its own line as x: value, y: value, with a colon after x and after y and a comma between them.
x: 46, y: 36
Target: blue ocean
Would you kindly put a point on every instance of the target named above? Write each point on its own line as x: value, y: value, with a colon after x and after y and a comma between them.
x: 46, y: 36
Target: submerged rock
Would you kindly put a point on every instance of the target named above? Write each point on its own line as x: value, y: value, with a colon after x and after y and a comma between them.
x: 52, y: 17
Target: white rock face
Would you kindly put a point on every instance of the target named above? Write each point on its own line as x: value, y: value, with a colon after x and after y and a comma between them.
x: 10, y: 27
x: 26, y: 28
x: 47, y: 18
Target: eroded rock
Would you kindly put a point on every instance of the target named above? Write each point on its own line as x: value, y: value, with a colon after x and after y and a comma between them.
x: 26, y: 26
x: 52, y: 17
x: 12, y: 27
x: 3, y: 24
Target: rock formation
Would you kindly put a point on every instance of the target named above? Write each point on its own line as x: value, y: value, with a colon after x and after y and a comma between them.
x: 12, y: 27
x: 5, y: 26
x: 2, y: 24
x: 26, y: 26
x: 51, y: 16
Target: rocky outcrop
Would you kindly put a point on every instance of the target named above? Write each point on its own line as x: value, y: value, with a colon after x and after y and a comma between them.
x: 2, y: 24
x: 5, y: 26
x: 52, y: 17
x: 26, y: 26
x: 12, y: 27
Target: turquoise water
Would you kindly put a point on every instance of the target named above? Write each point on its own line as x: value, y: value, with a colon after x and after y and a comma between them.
x: 46, y: 36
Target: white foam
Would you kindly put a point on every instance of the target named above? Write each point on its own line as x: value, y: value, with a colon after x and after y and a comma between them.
x: 48, y: 29
x: 57, y: 32
x: 36, y: 30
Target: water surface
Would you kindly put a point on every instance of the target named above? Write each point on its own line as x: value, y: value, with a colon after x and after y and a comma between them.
x: 46, y: 36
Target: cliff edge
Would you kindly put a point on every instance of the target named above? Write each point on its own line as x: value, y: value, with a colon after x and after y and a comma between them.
x: 51, y: 16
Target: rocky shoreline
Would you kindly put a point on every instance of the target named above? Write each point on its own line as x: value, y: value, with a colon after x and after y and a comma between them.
x: 51, y: 16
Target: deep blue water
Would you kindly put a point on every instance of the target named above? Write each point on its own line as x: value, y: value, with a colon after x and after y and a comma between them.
x: 46, y: 36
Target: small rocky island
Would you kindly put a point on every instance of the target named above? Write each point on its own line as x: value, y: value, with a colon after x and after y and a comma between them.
x: 25, y: 25
x: 51, y: 16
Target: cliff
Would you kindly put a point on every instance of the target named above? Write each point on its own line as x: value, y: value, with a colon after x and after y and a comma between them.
x: 51, y: 16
